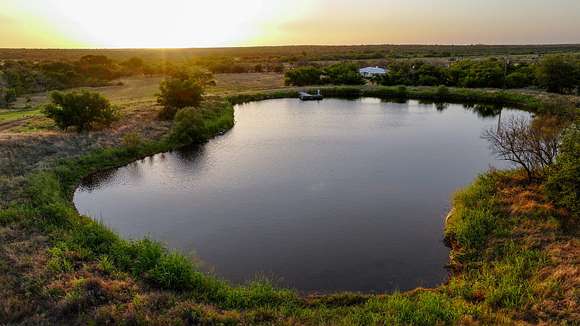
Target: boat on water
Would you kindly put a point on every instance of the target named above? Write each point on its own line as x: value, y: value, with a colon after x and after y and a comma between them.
x: 304, y: 96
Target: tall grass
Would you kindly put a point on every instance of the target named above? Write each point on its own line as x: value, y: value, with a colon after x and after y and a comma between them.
x: 500, y: 279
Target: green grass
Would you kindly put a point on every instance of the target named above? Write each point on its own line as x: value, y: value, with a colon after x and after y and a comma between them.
x: 498, y: 274
x: 7, y: 115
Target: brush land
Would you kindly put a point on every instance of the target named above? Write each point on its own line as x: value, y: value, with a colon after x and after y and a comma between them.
x: 514, y: 249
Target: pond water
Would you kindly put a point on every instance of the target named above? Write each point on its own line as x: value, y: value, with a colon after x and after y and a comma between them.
x: 319, y: 196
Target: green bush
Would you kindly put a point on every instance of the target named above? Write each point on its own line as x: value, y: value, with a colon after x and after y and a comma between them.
x: 179, y: 92
x: 344, y: 74
x: 442, y: 92
x: 563, y: 182
x: 188, y: 127
x: 132, y: 141
x: 558, y: 73
x: 10, y: 96
x: 303, y: 76
x: 83, y: 110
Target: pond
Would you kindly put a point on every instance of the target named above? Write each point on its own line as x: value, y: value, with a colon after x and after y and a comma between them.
x: 318, y: 196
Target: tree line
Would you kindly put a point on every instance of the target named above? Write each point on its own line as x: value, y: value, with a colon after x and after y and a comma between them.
x: 554, y: 73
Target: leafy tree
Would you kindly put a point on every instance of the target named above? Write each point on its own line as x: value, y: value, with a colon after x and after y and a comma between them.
x: 134, y: 65
x: 558, y: 73
x: 472, y: 74
x: 344, y: 74
x: 188, y: 127
x: 179, y: 92
x: 10, y: 96
x: 304, y: 76
x: 83, y: 110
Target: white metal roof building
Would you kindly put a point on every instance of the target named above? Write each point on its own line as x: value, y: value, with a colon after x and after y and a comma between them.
x: 372, y: 71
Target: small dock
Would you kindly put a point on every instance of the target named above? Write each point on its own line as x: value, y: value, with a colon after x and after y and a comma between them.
x: 310, y: 97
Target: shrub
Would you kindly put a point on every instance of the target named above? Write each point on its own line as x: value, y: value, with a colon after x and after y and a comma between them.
x: 83, y: 110
x: 177, y: 93
x: 563, y: 185
x: 10, y: 96
x: 532, y: 146
x: 188, y: 127
x: 442, y: 92
x: 557, y: 73
x: 132, y: 141
x: 344, y: 74
x: 303, y: 76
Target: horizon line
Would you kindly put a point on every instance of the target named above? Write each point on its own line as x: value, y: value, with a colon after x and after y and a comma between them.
x: 292, y: 45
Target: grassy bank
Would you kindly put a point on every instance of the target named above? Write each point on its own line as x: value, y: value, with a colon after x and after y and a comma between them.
x: 530, y: 102
x: 505, y: 237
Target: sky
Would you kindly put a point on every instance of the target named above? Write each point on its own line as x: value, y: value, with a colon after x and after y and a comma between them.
x: 211, y: 23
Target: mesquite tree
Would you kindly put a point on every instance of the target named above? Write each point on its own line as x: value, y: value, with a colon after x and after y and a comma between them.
x: 531, y: 145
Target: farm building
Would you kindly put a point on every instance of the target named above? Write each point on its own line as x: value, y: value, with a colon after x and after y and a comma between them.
x: 372, y: 71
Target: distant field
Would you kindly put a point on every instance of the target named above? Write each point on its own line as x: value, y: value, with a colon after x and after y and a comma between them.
x: 139, y: 89
x: 131, y: 93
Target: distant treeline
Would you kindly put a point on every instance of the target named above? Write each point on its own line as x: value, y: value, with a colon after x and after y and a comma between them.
x: 23, y: 77
x: 285, y: 54
x: 555, y: 73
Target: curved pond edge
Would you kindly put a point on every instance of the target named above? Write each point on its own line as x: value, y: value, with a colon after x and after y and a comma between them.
x: 52, y: 210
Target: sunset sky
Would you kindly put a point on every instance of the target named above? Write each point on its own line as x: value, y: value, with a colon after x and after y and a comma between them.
x: 201, y: 23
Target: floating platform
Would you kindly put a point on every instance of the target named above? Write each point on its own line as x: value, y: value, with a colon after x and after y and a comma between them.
x: 310, y: 97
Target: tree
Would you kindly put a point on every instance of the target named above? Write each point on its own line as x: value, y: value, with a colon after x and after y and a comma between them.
x: 83, y: 110
x: 10, y: 96
x: 303, y: 76
x: 557, y: 74
x: 344, y: 74
x: 532, y: 146
x: 188, y: 127
x: 178, y: 92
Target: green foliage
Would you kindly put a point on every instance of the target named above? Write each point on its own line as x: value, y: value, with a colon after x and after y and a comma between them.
x: 304, y: 76
x: 132, y: 141
x: 10, y: 96
x: 476, y: 74
x: 84, y: 110
x: 337, y: 74
x: 474, y: 218
x: 193, y: 125
x: 179, y: 92
x: 188, y: 127
x: 344, y: 74
x: 563, y: 181
x: 520, y: 79
x: 58, y: 261
x: 94, y: 236
x: 173, y: 271
x: 29, y: 76
x: 559, y: 74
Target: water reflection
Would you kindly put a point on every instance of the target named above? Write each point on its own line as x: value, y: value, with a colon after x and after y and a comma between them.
x: 321, y: 196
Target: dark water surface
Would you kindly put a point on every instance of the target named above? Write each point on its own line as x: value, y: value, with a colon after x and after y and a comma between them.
x: 321, y: 196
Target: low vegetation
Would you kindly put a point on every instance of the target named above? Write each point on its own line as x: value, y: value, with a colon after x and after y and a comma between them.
x: 562, y: 182
x: 82, y: 110
x: 514, y: 243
